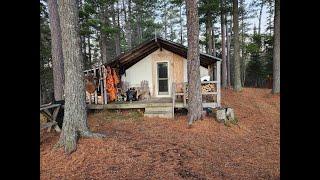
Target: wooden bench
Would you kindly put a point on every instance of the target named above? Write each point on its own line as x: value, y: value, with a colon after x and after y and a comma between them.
x: 44, y: 109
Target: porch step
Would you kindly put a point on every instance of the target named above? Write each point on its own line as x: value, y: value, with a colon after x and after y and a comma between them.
x: 163, y: 110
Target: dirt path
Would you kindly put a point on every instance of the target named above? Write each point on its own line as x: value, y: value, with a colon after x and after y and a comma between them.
x: 138, y: 148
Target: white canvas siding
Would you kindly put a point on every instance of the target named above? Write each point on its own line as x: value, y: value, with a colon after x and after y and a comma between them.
x: 142, y: 70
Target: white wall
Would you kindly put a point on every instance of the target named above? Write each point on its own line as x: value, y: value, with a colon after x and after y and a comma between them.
x: 140, y: 71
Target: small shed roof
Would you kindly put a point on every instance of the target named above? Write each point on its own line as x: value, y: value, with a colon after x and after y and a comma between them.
x: 128, y: 59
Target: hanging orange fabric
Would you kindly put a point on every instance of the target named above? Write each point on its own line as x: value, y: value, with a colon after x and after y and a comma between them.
x: 115, y: 77
x: 112, y: 91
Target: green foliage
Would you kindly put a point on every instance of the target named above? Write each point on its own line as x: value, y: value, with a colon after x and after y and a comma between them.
x: 46, y: 76
x: 259, y: 67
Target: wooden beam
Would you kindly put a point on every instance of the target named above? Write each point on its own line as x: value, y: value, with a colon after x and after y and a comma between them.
x: 173, y: 97
x: 184, y: 94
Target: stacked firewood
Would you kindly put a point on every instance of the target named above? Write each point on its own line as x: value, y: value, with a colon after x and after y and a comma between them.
x: 208, y: 87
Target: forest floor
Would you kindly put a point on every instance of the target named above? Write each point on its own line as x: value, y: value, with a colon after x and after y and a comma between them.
x: 145, y: 148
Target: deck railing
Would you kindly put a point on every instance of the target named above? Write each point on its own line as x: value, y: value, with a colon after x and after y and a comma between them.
x: 213, y: 90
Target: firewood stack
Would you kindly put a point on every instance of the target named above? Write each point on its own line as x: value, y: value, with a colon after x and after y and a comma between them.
x: 208, y: 87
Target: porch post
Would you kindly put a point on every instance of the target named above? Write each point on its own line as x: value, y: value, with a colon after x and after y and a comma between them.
x: 211, y: 71
x: 218, y: 79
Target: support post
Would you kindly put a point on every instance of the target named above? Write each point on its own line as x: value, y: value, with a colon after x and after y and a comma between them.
x: 104, y: 85
x: 184, y: 95
x: 101, y: 83
x: 95, y: 92
x: 218, y: 79
x: 173, y: 97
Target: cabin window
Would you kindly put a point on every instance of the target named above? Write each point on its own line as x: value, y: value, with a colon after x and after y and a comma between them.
x: 162, y: 78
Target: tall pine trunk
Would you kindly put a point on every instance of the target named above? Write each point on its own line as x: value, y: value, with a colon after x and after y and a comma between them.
x: 165, y: 21
x: 223, y: 44
x: 260, y: 16
x: 75, y: 115
x: 89, y: 51
x: 103, y: 36
x: 228, y: 56
x: 243, y: 63
x: 208, y: 33
x: 127, y: 23
x: 194, y: 83
x: 213, y: 42
x: 56, y: 50
x: 276, y: 49
x: 117, y: 33
x: 236, y: 66
x: 181, y: 26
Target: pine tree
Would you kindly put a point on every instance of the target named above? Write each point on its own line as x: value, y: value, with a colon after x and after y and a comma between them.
x: 75, y: 115
x: 193, y: 66
x: 237, y: 74
x: 276, y: 49
x: 56, y: 51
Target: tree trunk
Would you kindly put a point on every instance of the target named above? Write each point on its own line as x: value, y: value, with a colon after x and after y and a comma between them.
x: 103, y: 37
x: 165, y: 21
x: 89, y: 51
x: 276, y: 49
x: 75, y: 115
x: 117, y: 33
x: 40, y: 95
x: 128, y: 27
x: 83, y: 48
x: 237, y: 79
x: 228, y: 57
x: 181, y: 26
x: 194, y: 83
x: 260, y: 16
x: 213, y: 43
x: 223, y: 44
x: 56, y: 50
x: 209, y: 35
x: 242, y: 68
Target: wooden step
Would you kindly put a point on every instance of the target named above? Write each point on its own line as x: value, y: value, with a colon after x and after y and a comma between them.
x: 163, y: 111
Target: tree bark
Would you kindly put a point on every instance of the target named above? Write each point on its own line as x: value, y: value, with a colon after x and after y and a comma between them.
x: 165, y: 21
x: 194, y: 83
x: 89, y: 51
x: 213, y: 42
x: 117, y: 33
x: 128, y: 27
x: 237, y: 79
x: 209, y: 35
x: 103, y: 37
x: 56, y: 50
x: 139, y: 23
x: 276, y: 49
x: 223, y: 44
x: 228, y: 57
x: 181, y: 26
x: 242, y: 67
x: 260, y: 16
x: 75, y: 115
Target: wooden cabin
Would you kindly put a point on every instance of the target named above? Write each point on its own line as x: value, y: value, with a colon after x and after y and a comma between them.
x: 163, y: 64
